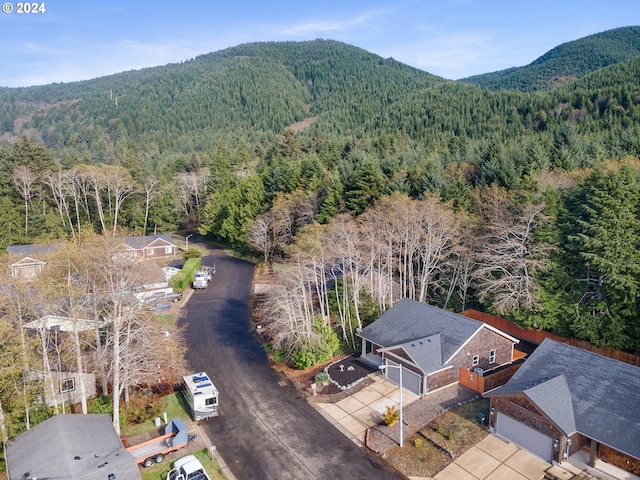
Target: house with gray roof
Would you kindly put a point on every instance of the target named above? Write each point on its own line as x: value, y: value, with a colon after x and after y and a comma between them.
x: 433, y: 345
x: 564, y: 399
x: 82, y: 447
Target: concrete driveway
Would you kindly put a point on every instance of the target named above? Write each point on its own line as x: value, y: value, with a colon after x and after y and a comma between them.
x: 354, y: 414
x: 495, y: 459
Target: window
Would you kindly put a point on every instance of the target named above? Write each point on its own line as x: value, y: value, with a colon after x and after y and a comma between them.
x: 210, y: 401
x: 150, y: 252
x: 67, y: 385
x: 476, y: 360
x: 492, y: 355
x: 167, y: 250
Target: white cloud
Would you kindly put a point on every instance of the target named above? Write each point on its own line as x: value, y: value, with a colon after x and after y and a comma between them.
x: 333, y: 26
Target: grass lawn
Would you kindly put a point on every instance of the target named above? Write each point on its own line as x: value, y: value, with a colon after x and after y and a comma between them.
x: 173, y: 404
x: 167, y: 320
x: 160, y: 471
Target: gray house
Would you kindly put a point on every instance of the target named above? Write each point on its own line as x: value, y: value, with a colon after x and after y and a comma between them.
x: 82, y: 447
x: 564, y: 399
x: 433, y: 345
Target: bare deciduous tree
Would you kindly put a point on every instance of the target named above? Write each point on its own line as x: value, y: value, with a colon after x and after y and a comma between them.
x: 24, y: 179
x: 508, y: 256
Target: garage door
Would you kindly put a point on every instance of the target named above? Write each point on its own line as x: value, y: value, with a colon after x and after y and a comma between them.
x: 410, y: 380
x: 526, y: 437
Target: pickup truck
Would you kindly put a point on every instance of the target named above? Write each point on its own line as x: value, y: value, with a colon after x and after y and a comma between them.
x: 203, y: 276
x: 200, y: 280
x: 176, y: 436
x: 187, y: 468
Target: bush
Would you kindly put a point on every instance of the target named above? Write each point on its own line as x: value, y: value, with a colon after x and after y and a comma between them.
x: 417, y: 442
x: 324, y: 345
x: 100, y: 404
x: 140, y: 409
x: 303, y: 359
x: 391, y: 416
x: 320, y: 378
x: 192, y: 253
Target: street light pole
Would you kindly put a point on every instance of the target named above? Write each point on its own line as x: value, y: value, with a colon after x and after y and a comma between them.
x: 382, y: 367
x: 187, y: 240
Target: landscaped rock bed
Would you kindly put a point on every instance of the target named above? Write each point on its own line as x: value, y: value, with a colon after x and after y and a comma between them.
x: 347, y: 372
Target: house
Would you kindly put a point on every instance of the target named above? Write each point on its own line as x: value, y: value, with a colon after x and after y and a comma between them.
x: 564, y: 399
x: 32, y: 259
x: 29, y: 260
x: 150, y: 246
x: 82, y: 447
x: 67, y: 384
x: 432, y: 345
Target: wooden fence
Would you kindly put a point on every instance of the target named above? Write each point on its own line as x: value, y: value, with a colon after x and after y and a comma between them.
x: 537, y: 336
x: 484, y: 383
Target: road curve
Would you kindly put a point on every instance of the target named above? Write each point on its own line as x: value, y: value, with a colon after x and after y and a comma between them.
x: 267, y: 429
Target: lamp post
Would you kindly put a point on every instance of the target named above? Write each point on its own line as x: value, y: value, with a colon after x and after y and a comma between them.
x: 187, y: 241
x: 382, y: 367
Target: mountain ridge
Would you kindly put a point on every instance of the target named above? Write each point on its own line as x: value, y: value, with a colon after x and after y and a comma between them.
x: 568, y: 61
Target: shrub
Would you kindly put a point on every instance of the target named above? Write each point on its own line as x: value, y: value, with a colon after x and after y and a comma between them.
x: 192, y: 253
x: 141, y: 409
x: 417, y: 442
x: 100, y: 404
x: 391, y: 416
x: 303, y: 359
x: 322, y: 346
x: 320, y: 378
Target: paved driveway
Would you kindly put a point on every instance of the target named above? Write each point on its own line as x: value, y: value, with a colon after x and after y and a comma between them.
x: 266, y: 429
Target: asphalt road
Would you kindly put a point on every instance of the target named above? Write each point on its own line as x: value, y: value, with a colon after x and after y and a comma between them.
x: 266, y: 429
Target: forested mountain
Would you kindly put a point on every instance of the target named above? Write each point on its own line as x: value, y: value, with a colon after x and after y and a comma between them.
x: 565, y: 62
x: 249, y: 92
x: 345, y: 166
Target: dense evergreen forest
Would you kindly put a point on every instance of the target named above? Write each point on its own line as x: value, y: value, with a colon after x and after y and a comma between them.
x: 566, y: 62
x: 523, y: 204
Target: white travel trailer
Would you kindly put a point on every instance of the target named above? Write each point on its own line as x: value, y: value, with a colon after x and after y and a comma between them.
x: 201, y: 396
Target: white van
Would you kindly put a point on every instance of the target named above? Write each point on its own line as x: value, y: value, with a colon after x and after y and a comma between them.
x: 201, y: 395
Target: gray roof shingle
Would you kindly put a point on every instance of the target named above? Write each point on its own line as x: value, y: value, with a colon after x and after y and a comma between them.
x: 582, y: 391
x: 75, y: 446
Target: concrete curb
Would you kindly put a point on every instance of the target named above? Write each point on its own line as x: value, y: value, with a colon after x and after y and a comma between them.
x: 215, y: 455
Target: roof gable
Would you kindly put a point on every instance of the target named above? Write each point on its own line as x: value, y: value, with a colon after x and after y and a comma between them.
x: 601, y: 394
x: 139, y: 243
x: 554, y: 399
x: 426, y: 352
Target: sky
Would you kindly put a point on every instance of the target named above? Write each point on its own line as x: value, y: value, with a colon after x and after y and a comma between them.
x: 75, y: 40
